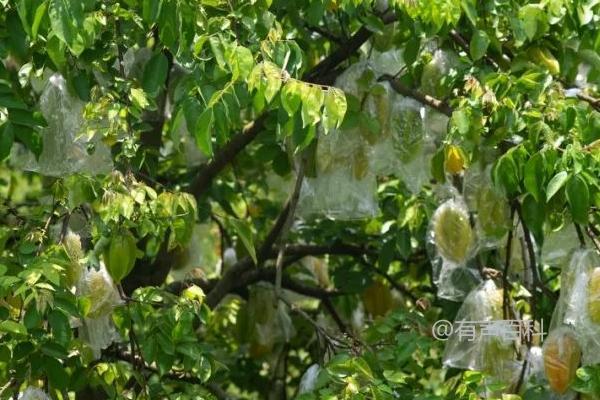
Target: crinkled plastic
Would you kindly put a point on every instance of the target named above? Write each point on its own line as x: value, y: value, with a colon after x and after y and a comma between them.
x: 433, y: 72
x: 490, y: 206
x: 33, y: 393
x: 451, y: 243
x: 270, y: 320
x: 202, y: 254
x: 388, y: 62
x: 99, y: 288
x: 66, y: 149
x: 344, y: 188
x: 451, y: 233
x: 562, y: 354
x: 185, y: 143
x: 97, y: 329
x: 134, y: 61
x: 489, y: 349
x: 308, y: 382
x: 99, y: 333
x: 72, y: 245
x: 559, y: 246
x: 577, y: 306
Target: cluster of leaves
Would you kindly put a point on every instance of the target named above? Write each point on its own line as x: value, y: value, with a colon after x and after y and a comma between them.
x: 251, y: 85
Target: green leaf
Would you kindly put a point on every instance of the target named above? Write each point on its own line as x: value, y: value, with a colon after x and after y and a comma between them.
x: 56, y: 372
x: 312, y: 100
x: 291, y: 96
x: 151, y: 10
x: 335, y: 108
x: 479, y: 44
x: 534, y: 20
x: 216, y: 46
x: 460, y: 119
x: 67, y: 21
x: 40, y: 12
x: 506, y: 174
x: 6, y: 141
x: 155, y: 74
x: 534, y: 176
x: 534, y: 214
x: 578, y: 197
x: 555, y: 184
x: 470, y: 9
x: 242, y: 63
x: 272, y: 74
x: 245, y: 234
x: 13, y: 327
x: 203, y: 130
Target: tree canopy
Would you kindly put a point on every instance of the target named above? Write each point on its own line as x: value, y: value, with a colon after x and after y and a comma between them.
x: 271, y: 199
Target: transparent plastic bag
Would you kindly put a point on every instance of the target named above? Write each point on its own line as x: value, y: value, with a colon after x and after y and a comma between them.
x: 344, y: 187
x: 451, y: 243
x: 451, y: 233
x: 490, y: 206
x: 99, y: 333
x: 308, y: 382
x: 97, y: 329
x: 388, y: 62
x: 33, y: 393
x: 560, y: 245
x: 562, y: 354
x: 99, y: 288
x: 440, y: 66
x: 578, y: 306
x: 482, y: 347
x: 66, y: 149
x: 270, y: 320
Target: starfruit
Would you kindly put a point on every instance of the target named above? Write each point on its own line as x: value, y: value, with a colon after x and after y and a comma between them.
x: 120, y: 255
x: 454, y: 160
x: 562, y: 355
x: 453, y: 235
x: 593, y: 295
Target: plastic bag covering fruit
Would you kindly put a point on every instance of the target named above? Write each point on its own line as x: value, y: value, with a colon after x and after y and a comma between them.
x: 577, y: 300
x: 490, y: 206
x: 202, y: 255
x: 560, y: 245
x: 99, y: 333
x: 451, y: 231
x: 32, y: 393
x: 594, y: 296
x: 562, y: 354
x: 454, y: 283
x: 72, y: 245
x: 267, y: 320
x: 99, y: 288
x: 489, y: 351
x: 66, y: 148
x: 120, y: 255
x: 440, y: 66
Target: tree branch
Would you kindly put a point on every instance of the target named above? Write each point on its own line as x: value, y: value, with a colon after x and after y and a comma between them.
x: 422, y: 98
x: 320, y: 74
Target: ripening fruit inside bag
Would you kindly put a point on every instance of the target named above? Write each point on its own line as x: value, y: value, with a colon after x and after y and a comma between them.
x: 454, y: 161
x: 593, y: 296
x: 561, y: 359
x: 120, y: 255
x: 453, y: 235
x: 492, y: 211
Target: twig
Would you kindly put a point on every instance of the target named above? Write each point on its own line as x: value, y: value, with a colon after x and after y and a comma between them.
x: 580, y: 235
x: 422, y: 98
x: 509, y: 241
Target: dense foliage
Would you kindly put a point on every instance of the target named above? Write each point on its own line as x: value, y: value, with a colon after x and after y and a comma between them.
x: 279, y: 199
